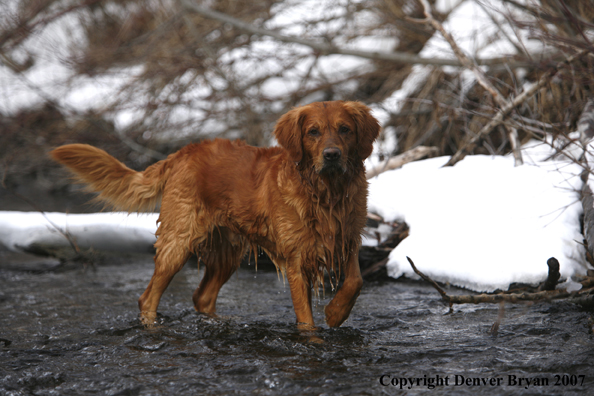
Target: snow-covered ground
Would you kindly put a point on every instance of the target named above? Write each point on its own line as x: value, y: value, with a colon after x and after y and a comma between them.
x: 482, y: 224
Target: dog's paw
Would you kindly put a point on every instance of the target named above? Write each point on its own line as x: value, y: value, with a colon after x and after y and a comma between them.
x: 148, y: 318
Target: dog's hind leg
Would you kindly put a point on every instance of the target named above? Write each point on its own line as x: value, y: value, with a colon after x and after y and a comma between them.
x: 170, y: 258
x: 173, y: 251
x: 221, y: 259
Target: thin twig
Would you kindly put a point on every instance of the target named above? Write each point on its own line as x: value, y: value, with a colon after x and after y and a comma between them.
x: 64, y: 233
x: 515, y: 145
x: 519, y: 48
x: 25, y: 26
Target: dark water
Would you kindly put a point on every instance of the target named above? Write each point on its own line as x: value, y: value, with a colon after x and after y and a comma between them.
x: 72, y: 331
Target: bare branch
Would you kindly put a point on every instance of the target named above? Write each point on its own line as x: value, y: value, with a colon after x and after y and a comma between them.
x: 462, y: 57
x: 586, y: 122
x: 515, y: 144
x: 500, y: 116
x: 443, y: 294
x: 480, y: 75
x: 326, y: 49
x: 404, y: 158
x: 26, y: 26
x: 519, y: 48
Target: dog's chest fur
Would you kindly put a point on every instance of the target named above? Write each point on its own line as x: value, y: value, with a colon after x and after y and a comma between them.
x: 324, y: 225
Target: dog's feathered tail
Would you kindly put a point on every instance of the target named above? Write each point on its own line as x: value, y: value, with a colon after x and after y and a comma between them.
x: 119, y: 186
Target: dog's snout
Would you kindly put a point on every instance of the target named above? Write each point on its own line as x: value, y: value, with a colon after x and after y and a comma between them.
x: 332, y: 154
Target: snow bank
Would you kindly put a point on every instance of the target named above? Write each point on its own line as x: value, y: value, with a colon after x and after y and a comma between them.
x: 483, y: 224
x: 114, y: 231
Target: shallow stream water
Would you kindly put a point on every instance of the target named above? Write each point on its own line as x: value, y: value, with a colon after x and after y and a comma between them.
x: 67, y: 330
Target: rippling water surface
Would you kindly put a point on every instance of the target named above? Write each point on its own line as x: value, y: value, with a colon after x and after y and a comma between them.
x: 65, y: 330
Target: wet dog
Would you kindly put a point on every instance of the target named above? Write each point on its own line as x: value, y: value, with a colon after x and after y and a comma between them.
x: 304, y: 204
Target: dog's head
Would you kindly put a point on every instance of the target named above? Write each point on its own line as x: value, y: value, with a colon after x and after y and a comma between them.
x: 328, y: 135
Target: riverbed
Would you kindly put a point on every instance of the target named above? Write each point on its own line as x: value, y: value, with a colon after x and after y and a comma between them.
x: 73, y: 329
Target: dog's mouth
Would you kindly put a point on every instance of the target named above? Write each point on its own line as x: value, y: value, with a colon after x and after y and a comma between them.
x: 331, y: 168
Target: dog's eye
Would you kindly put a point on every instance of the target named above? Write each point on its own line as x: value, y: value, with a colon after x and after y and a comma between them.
x: 314, y: 132
x: 344, y: 130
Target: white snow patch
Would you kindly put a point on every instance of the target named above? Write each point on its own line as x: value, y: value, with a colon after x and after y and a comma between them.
x: 114, y: 231
x: 483, y: 224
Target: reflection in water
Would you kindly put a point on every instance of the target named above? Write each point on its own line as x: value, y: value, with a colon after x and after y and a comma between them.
x: 70, y: 331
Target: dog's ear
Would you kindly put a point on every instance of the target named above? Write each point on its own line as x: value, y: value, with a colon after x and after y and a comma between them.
x: 288, y: 133
x: 367, y: 127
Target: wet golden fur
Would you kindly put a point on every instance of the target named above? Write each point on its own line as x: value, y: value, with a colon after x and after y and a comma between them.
x: 303, y: 203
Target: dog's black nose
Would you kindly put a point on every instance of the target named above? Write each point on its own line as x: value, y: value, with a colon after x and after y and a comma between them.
x: 332, y: 154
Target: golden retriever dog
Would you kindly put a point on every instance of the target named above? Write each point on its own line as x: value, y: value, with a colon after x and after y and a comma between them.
x: 304, y: 204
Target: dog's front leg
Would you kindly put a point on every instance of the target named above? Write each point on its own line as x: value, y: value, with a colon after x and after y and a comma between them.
x: 300, y: 294
x: 338, y: 310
